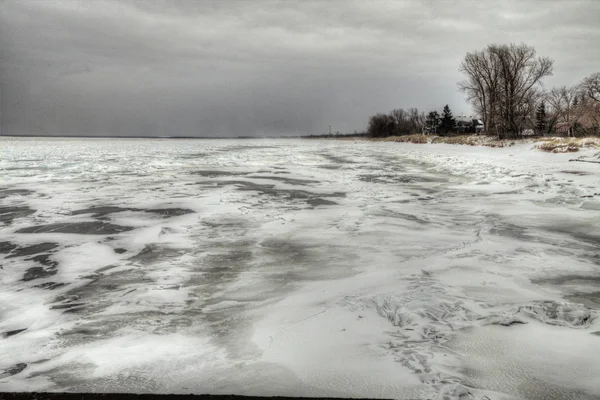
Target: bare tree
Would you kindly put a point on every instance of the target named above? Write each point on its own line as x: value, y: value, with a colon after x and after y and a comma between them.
x: 400, y: 117
x: 501, y: 84
x: 481, y: 84
x: 590, y: 87
x: 381, y: 125
x: 396, y: 122
x: 553, y: 101
x: 414, y: 119
x: 589, y: 104
x: 563, y: 107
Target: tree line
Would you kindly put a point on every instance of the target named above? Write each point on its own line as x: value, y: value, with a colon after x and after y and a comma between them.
x: 400, y: 122
x: 395, y: 123
x: 504, y: 84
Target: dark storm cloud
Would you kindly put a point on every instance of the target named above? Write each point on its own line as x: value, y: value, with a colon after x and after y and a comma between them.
x: 258, y: 68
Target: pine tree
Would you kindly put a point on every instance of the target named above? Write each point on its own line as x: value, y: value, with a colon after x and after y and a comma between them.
x: 540, y: 118
x: 448, y: 122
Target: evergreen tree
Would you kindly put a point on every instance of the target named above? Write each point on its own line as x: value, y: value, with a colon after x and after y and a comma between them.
x: 575, y: 101
x: 540, y: 118
x: 447, y: 122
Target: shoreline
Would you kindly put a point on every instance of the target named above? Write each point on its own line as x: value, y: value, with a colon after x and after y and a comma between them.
x: 552, y: 144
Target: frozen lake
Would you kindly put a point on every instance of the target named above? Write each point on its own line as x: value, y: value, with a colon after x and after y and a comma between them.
x: 298, y: 267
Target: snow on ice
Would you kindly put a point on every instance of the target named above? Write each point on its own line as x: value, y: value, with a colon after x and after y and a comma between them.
x: 298, y: 267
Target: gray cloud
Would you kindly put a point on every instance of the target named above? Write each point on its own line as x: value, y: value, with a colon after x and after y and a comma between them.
x: 216, y: 68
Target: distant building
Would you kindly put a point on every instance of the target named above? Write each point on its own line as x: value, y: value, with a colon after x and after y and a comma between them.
x: 469, y: 125
x: 585, y: 119
x: 527, y: 132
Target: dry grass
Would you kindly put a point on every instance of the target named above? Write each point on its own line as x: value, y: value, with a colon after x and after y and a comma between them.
x: 557, y: 147
x: 416, y: 138
x: 464, y: 140
x: 468, y: 140
x: 552, y: 145
x: 566, y: 145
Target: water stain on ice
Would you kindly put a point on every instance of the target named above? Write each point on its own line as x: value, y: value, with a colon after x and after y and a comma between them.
x: 48, y: 268
x: 13, y: 370
x: 219, y: 174
x: 579, y: 288
x: 50, y: 285
x: 289, y: 181
x: 45, y: 260
x: 580, y: 173
x: 7, y: 247
x: 273, y: 191
x: 384, y: 212
x: 513, y: 231
x: 579, y: 236
x: 330, y: 166
x: 568, y: 279
x: 590, y: 299
x: 6, y: 335
x: 247, y: 147
x: 102, y: 211
x: 155, y: 252
x: 38, y: 272
x: 4, y: 193
x: 9, y: 214
x: 399, y: 178
x: 169, y: 212
x: 290, y: 194
x: 82, y: 228
x: 337, y: 159
x: 31, y: 250
x: 320, y: 202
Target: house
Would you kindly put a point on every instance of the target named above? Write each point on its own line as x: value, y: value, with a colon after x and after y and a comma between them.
x: 463, y: 126
x: 478, y: 125
x: 527, y: 132
x: 584, y: 120
x: 469, y: 125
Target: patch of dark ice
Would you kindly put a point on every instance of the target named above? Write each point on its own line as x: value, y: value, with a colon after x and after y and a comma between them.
x: 102, y: 211
x: 31, y: 250
x: 81, y: 228
x: 7, y: 247
x: 8, y: 334
x: 4, y: 193
x: 13, y: 370
x: 169, y: 212
x: 219, y: 174
x: 289, y: 181
x: 38, y: 272
x: 320, y: 202
x: 9, y: 214
x: 50, y: 285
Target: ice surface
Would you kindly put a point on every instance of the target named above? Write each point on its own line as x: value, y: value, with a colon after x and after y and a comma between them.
x: 298, y: 267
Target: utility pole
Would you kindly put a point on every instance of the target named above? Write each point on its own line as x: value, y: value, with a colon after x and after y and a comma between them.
x: 330, y: 129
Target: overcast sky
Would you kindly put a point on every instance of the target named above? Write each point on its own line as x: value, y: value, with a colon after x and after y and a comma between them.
x: 220, y: 68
